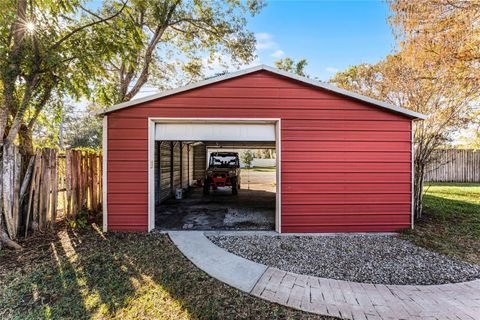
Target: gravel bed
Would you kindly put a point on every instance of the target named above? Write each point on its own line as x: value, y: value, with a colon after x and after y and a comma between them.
x: 369, y: 259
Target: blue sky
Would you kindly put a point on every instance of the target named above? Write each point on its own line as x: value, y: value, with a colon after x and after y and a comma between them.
x: 331, y: 35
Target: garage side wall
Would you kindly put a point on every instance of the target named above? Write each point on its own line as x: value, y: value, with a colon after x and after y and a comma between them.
x: 172, y: 168
x: 185, y: 168
x: 346, y: 165
x: 199, y: 161
x: 165, y: 171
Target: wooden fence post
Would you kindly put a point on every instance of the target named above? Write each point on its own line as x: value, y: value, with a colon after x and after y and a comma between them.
x: 69, y: 182
x: 54, y: 188
x: 33, y: 190
x: 94, y: 183
x: 99, y: 181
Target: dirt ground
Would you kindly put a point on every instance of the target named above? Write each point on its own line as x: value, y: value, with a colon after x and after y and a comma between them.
x: 258, y: 180
x: 252, y: 209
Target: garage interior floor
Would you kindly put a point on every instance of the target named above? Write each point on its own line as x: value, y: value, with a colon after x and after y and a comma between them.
x: 252, y: 209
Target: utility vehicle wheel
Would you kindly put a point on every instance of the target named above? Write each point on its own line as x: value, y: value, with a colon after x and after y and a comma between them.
x: 234, y: 186
x: 206, y: 187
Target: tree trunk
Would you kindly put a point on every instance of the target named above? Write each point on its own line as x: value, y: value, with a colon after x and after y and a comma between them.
x: 4, y: 238
x: 418, y: 188
x: 25, y: 147
x: 25, y: 139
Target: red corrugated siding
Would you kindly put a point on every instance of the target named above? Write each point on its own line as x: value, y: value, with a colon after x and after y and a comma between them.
x: 345, y: 164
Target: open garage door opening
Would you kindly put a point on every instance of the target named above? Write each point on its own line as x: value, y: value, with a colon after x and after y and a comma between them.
x: 216, y: 175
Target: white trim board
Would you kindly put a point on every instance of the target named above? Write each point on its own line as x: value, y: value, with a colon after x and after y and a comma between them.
x: 315, y: 83
x: 278, y: 172
x: 104, y: 173
x: 412, y: 174
x: 151, y: 162
x: 215, y: 131
x: 151, y: 175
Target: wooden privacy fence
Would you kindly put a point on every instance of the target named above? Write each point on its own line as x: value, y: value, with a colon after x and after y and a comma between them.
x: 454, y: 165
x: 83, y: 182
x: 54, y: 183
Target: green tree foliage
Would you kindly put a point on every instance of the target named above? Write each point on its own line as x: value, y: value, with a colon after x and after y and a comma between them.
x: 47, y: 48
x: 247, y: 157
x: 265, y: 154
x: 83, y: 132
x: 52, y: 49
x: 171, y: 40
x: 48, y: 126
x: 289, y: 65
x: 58, y: 48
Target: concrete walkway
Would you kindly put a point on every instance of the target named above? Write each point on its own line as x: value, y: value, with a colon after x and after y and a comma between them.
x: 343, y: 299
x: 236, y: 271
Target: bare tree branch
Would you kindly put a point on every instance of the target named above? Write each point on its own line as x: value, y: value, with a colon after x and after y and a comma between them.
x: 74, y: 31
x: 143, y: 77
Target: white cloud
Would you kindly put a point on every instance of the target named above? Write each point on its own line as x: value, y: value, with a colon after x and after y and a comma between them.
x: 331, y: 69
x: 265, y: 45
x: 278, y: 53
x: 265, y: 41
x: 263, y: 36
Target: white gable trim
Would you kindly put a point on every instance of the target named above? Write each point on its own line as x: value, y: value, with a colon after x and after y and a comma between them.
x: 315, y: 83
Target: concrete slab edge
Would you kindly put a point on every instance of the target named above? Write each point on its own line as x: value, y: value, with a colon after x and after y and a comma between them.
x: 248, y: 233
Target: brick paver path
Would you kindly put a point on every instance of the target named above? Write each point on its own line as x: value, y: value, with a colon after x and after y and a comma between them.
x: 351, y: 300
x: 344, y: 299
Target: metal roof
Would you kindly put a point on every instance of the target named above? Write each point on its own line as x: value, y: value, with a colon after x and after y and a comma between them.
x: 314, y: 83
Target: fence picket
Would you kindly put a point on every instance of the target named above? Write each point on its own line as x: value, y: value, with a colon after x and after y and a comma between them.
x: 454, y: 165
x: 68, y: 183
x: 94, y: 183
x: 54, y: 183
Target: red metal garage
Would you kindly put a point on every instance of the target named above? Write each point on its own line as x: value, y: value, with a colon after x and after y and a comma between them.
x: 345, y: 161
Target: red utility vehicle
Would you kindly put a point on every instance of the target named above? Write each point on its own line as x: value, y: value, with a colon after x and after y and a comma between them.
x: 223, y: 171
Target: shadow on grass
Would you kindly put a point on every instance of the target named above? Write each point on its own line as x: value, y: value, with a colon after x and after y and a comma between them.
x: 449, y: 226
x: 82, y: 274
x: 86, y: 275
x: 70, y: 278
x: 439, y: 207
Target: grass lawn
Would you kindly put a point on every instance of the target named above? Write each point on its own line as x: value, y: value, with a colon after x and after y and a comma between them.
x: 79, y: 274
x: 261, y: 169
x: 451, y: 222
